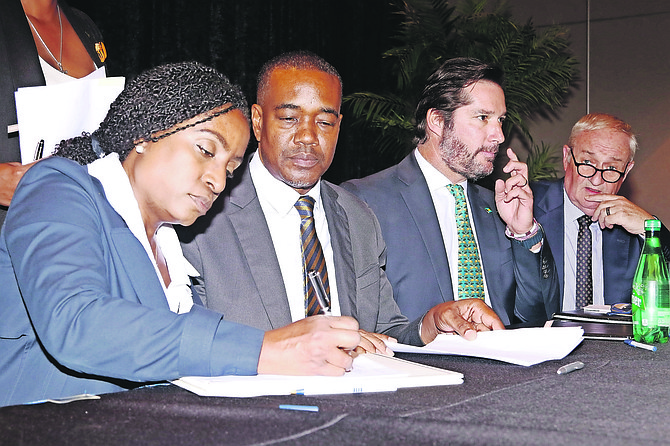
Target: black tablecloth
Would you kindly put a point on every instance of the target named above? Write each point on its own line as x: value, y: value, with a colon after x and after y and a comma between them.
x: 622, y: 396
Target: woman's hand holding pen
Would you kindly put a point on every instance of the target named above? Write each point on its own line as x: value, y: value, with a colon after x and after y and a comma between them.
x: 317, y: 345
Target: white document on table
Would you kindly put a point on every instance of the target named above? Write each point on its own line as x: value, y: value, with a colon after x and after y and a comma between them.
x: 522, y: 346
x: 53, y: 113
x: 370, y: 373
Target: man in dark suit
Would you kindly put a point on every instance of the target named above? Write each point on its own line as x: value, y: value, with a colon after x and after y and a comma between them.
x: 248, y: 247
x: 459, y: 129
x: 596, y: 160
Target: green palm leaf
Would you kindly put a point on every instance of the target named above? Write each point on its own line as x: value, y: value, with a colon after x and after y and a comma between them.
x: 538, y: 67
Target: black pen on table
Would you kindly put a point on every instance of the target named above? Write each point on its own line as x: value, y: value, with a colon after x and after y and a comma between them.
x: 39, y: 150
x: 321, y: 296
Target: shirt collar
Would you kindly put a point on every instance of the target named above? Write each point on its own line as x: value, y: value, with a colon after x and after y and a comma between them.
x: 436, y: 180
x: 572, y: 212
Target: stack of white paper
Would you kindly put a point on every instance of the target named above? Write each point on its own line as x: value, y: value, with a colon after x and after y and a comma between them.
x: 371, y: 373
x: 522, y: 346
x: 56, y: 112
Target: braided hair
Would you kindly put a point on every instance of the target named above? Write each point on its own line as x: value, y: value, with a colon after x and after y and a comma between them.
x: 155, y: 101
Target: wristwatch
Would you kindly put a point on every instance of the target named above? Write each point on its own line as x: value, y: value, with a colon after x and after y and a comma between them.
x: 530, y: 238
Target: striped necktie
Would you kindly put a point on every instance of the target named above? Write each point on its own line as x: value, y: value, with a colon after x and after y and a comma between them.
x: 312, y: 254
x: 470, y: 282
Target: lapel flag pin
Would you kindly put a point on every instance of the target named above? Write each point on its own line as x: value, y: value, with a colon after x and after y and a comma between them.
x: 101, y: 50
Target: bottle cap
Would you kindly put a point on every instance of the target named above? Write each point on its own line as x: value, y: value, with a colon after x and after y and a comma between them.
x: 652, y: 225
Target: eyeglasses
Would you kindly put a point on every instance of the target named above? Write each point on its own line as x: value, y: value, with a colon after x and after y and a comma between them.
x: 609, y: 175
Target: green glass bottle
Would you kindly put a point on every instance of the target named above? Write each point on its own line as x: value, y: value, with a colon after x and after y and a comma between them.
x: 651, y: 295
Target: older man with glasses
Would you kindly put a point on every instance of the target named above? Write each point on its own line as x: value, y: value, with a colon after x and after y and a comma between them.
x: 595, y: 235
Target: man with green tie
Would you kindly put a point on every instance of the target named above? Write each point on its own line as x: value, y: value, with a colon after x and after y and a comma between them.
x: 447, y: 237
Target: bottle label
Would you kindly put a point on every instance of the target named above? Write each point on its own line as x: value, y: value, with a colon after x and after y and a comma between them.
x: 650, y: 320
x: 635, y: 298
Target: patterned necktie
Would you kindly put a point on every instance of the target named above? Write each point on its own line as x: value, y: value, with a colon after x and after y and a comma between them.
x: 470, y: 282
x: 312, y: 254
x: 584, y: 278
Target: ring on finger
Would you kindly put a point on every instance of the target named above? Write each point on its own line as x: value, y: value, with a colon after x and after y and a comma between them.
x: 607, y: 210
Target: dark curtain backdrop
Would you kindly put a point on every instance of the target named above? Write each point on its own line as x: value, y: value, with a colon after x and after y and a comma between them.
x: 238, y: 36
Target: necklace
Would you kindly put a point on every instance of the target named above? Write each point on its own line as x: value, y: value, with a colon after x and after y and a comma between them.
x: 59, y: 61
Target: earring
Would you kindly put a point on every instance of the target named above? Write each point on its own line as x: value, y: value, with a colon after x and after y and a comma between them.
x: 139, y: 149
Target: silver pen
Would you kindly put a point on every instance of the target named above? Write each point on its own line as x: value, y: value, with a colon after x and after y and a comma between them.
x: 321, y: 296
x: 577, y: 365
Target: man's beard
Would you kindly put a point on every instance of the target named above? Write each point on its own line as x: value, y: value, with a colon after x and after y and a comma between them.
x: 460, y: 160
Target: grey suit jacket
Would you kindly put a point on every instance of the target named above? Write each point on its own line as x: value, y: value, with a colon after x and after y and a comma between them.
x: 232, y: 249
x: 621, y: 250
x: 522, y: 286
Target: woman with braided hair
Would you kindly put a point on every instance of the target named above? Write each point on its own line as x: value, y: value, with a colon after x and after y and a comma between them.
x: 96, y: 292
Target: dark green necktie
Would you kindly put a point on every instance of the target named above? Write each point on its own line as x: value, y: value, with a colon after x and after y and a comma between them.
x: 470, y: 282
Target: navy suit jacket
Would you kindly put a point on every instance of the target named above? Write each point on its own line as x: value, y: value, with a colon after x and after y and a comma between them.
x: 232, y: 249
x: 81, y: 307
x: 621, y: 250
x: 522, y: 285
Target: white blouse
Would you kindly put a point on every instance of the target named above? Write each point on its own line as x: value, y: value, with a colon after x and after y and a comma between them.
x: 53, y: 76
x: 110, y: 173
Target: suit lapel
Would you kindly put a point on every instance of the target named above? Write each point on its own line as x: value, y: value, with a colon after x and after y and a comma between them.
x: 484, y: 217
x: 138, y: 268
x: 343, y: 257
x: 620, y: 257
x: 26, y: 69
x: 549, y: 211
x: 418, y: 200
x: 257, y: 247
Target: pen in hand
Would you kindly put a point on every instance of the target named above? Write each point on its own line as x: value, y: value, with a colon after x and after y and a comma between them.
x: 322, y: 297
x: 39, y: 150
x: 315, y: 278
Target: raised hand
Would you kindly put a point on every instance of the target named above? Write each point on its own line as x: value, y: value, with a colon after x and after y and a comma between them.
x: 514, y: 199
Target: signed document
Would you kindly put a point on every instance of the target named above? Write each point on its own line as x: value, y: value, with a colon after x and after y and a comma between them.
x: 371, y: 373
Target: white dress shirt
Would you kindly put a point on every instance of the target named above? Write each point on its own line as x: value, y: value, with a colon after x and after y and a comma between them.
x: 119, y: 193
x: 445, y: 208
x: 571, y: 228
x: 277, y: 201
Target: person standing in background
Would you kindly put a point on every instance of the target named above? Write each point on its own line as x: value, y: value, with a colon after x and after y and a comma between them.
x: 42, y: 42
